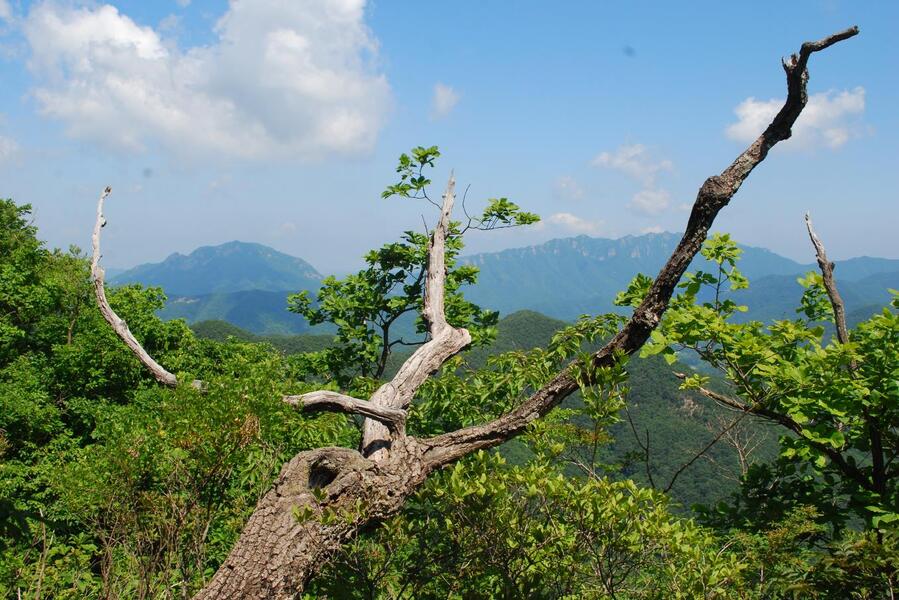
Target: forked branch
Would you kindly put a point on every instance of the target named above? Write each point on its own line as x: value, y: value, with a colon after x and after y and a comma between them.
x: 445, y: 340
x: 714, y: 195
x: 117, y: 323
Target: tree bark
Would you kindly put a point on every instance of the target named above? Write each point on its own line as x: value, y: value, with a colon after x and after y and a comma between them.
x: 320, y: 500
x: 830, y: 285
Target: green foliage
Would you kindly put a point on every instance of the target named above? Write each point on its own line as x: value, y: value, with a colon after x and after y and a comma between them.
x: 484, y: 529
x: 109, y: 485
x: 366, y: 306
x: 222, y: 331
x: 838, y: 404
x: 413, y: 183
x: 635, y: 292
x: 814, y: 304
x: 792, y: 558
x: 26, y: 295
x: 500, y: 212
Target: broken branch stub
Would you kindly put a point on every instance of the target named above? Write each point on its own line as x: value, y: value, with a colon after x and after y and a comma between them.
x: 830, y: 285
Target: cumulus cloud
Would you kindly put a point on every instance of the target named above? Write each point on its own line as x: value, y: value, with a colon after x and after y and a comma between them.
x: 574, y: 223
x: 444, y: 100
x: 284, y: 78
x: 569, y: 188
x: 183, y: 3
x: 651, y: 201
x: 634, y: 161
x: 5, y: 11
x: 8, y: 148
x: 652, y: 229
x: 830, y: 119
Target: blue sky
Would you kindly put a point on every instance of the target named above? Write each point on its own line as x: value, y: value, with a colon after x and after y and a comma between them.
x: 279, y: 121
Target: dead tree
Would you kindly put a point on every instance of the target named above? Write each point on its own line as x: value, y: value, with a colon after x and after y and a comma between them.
x: 293, y: 529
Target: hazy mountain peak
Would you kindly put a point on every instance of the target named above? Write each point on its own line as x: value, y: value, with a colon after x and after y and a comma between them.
x: 230, y: 267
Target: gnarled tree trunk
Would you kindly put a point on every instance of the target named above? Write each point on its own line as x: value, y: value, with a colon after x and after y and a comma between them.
x: 323, y: 497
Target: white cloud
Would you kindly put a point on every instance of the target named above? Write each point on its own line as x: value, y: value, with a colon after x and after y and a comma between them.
x: 444, y: 101
x: 183, y: 3
x: 285, y: 78
x: 8, y: 148
x: 5, y: 11
x: 651, y: 201
x: 569, y: 188
x: 652, y: 229
x: 574, y: 223
x: 634, y: 161
x: 830, y: 119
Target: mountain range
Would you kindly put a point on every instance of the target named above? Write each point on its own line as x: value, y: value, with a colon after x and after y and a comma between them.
x: 247, y: 284
x: 565, y: 278
x: 231, y: 267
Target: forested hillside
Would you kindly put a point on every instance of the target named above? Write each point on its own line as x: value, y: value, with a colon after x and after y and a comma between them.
x: 679, y: 423
x: 569, y: 277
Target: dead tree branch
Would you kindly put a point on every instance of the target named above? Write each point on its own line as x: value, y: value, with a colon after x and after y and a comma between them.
x: 445, y: 340
x: 117, y: 323
x: 714, y: 195
x: 322, y: 400
x: 385, y: 411
x: 704, y: 449
x: 788, y: 422
x: 830, y: 285
x: 878, y: 466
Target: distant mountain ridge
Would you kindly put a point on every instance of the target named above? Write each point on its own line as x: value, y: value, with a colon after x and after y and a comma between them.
x: 257, y: 311
x: 566, y: 277
x: 247, y: 284
x: 230, y: 267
